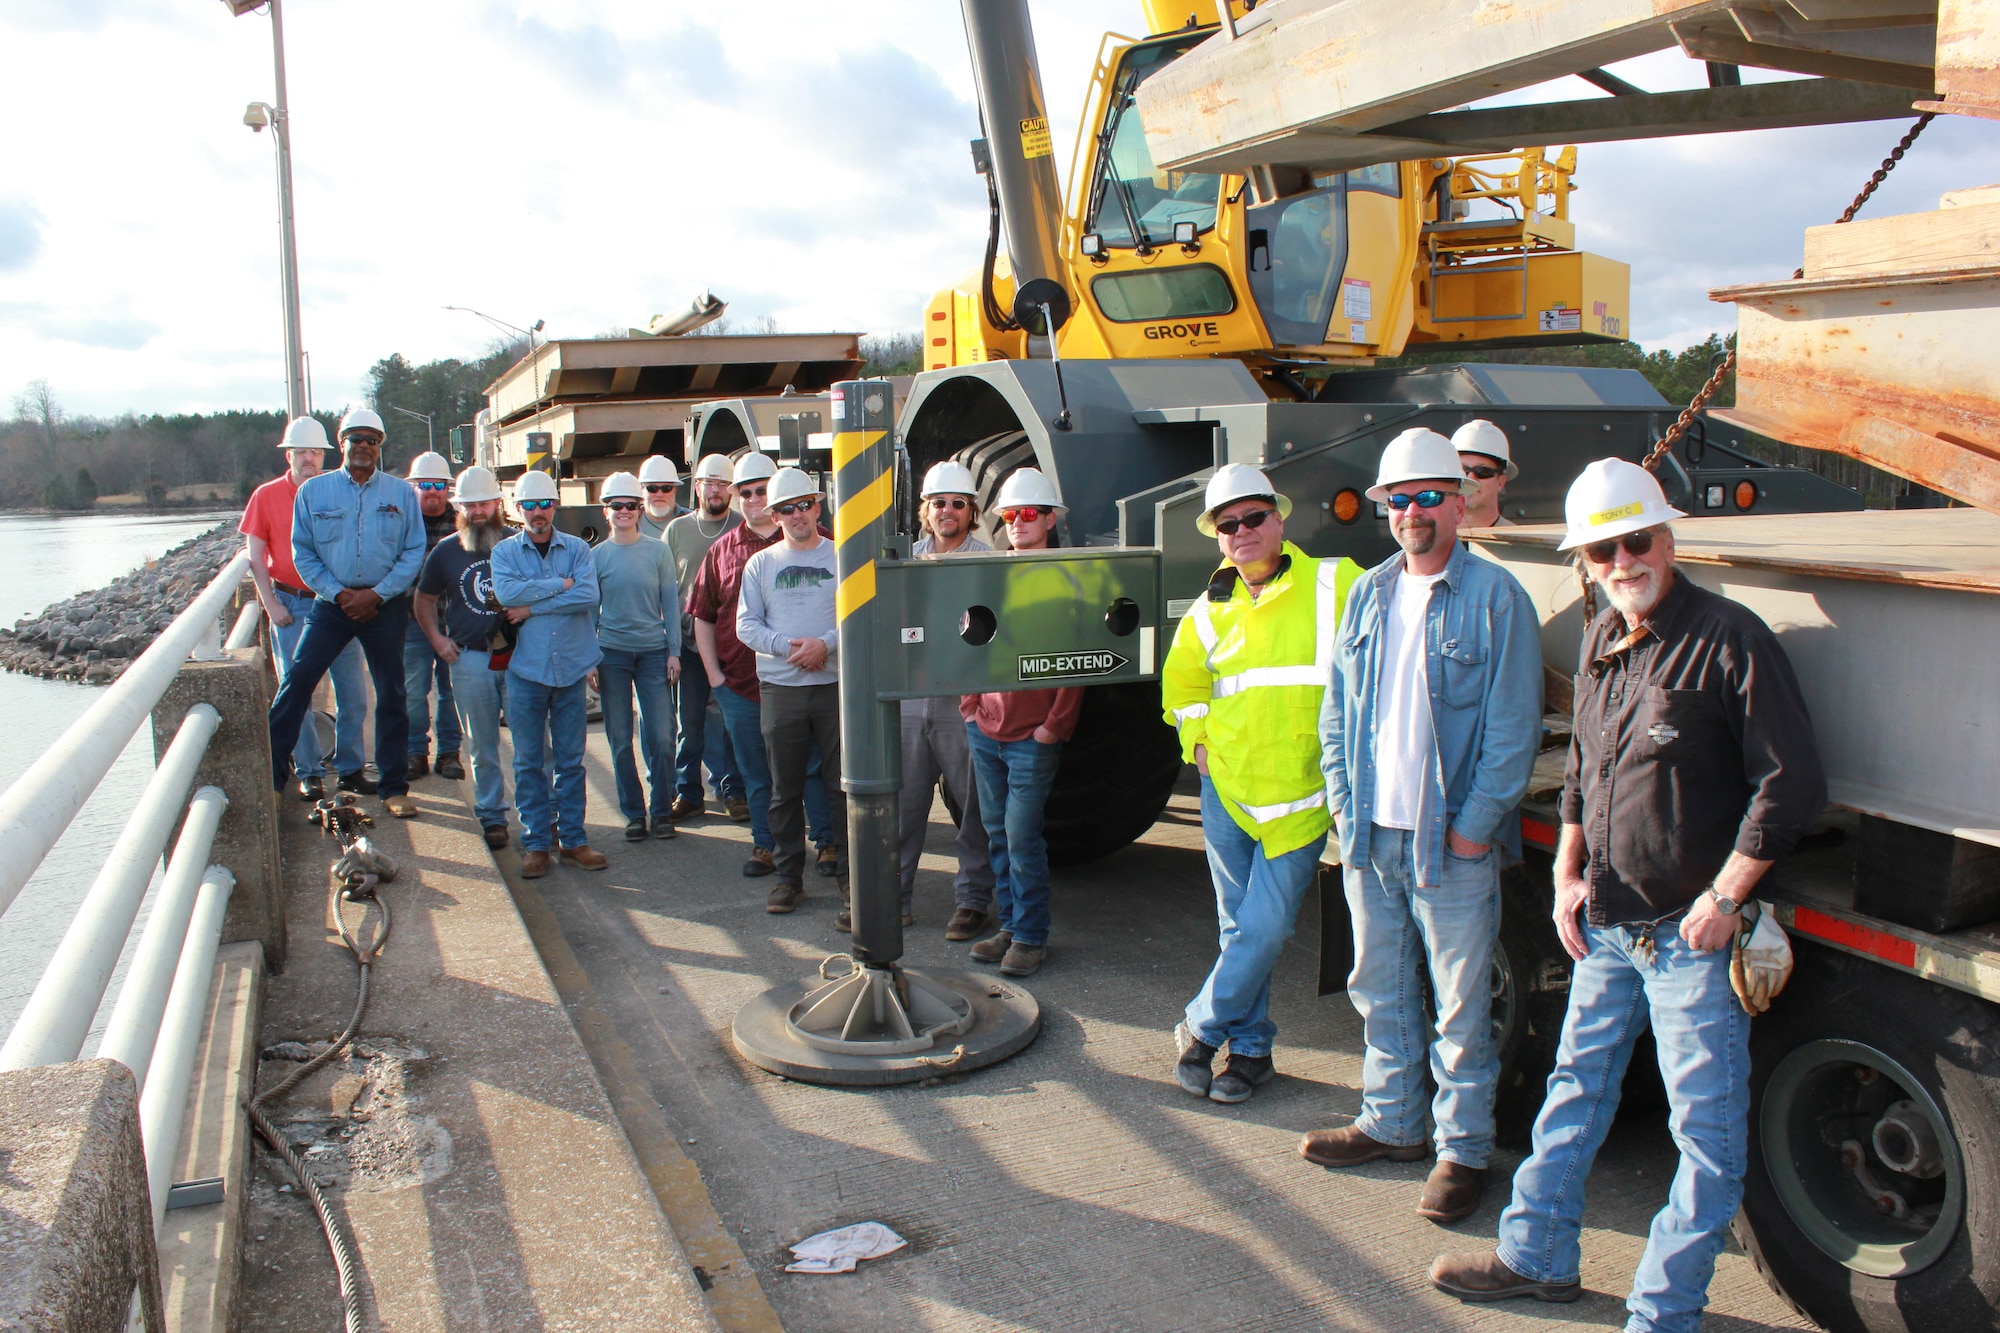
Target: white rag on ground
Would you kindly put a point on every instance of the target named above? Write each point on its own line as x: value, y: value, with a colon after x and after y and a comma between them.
x: 839, y: 1250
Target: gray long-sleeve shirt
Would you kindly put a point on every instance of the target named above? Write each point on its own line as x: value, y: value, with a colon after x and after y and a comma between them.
x: 788, y: 595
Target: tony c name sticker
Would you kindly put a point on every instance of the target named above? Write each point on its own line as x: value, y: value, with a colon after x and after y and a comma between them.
x: 1059, y: 666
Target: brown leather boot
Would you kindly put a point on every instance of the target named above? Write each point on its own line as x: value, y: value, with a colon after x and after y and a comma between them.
x: 534, y: 864
x: 994, y: 948
x: 584, y: 858
x: 964, y: 924
x: 1452, y: 1192
x: 1480, y: 1276
x: 1348, y: 1146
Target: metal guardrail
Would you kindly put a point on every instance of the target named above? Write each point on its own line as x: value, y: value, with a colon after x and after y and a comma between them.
x: 157, y: 1020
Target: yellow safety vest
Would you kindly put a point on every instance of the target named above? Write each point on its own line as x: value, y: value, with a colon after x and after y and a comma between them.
x: 1245, y: 677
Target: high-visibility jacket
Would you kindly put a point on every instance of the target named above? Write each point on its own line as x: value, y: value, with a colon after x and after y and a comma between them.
x: 1245, y: 677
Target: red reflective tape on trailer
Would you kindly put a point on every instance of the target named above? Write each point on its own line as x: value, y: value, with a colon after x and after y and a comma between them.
x: 1875, y: 943
x: 1537, y: 832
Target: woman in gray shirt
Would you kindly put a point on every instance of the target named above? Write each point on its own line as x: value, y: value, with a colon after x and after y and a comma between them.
x: 639, y: 632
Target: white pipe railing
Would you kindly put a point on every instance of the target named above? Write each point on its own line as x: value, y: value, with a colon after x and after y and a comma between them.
x: 55, y: 1022
x: 244, y: 632
x: 163, y: 1105
x: 134, y: 1028
x: 42, y: 802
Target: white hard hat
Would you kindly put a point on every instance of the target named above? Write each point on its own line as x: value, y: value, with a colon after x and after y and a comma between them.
x: 621, y: 486
x: 474, y: 485
x: 1611, y: 498
x: 713, y: 467
x: 790, y: 484
x: 534, y: 485
x: 1233, y: 482
x: 1420, y: 455
x: 1483, y: 437
x: 753, y: 466
x: 949, y: 478
x: 1027, y: 486
x: 361, y: 419
x: 304, y: 433
x: 429, y: 467
x: 659, y: 468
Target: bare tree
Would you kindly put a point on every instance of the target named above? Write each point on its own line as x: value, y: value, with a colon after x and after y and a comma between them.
x: 37, y: 407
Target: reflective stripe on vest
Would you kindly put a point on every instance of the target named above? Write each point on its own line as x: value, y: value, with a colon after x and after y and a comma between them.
x: 1265, y: 676
x: 1264, y: 814
x: 1204, y: 628
x: 1191, y: 711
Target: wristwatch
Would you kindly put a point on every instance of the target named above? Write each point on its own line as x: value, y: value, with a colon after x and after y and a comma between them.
x: 1724, y: 903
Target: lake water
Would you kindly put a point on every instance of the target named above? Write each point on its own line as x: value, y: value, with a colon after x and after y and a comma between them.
x: 47, y: 559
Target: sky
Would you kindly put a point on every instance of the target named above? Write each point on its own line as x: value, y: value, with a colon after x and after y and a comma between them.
x: 591, y: 166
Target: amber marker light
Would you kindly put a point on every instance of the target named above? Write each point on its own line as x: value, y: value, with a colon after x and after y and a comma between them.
x: 1347, y: 505
x: 1746, y: 494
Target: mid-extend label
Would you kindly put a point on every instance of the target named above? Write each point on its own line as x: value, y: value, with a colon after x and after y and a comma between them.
x: 1053, y: 666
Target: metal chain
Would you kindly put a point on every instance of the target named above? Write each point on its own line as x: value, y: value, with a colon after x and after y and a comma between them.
x: 1728, y: 363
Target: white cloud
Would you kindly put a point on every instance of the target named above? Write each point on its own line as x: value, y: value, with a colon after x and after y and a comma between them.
x: 593, y: 166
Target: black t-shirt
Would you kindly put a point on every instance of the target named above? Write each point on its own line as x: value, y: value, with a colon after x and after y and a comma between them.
x: 461, y: 582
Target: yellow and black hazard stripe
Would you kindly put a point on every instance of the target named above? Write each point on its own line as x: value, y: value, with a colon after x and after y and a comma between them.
x: 865, y: 484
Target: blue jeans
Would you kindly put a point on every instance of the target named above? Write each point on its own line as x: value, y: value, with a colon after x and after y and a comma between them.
x: 480, y: 692
x: 1256, y: 903
x: 548, y: 723
x: 421, y: 666
x: 1703, y: 1037
x: 328, y: 633
x: 350, y: 696
x: 1014, y: 778
x: 1402, y: 930
x: 703, y: 739
x: 620, y: 676
x: 744, y: 719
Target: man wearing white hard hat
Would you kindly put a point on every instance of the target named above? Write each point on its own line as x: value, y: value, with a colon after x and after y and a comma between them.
x: 731, y: 666
x: 934, y: 746
x: 267, y: 534
x: 472, y: 635
x: 660, y: 482
x: 1692, y: 767
x: 1430, y: 725
x: 1249, y: 661
x: 357, y: 543
x: 786, y: 616
x: 1484, y: 454
x: 639, y: 632
x: 703, y: 740
x: 552, y: 576
x: 1016, y: 738
x: 431, y: 475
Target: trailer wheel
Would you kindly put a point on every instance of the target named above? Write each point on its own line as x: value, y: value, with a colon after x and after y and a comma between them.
x: 1872, y: 1201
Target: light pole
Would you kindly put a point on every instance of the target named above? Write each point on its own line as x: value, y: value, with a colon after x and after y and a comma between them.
x: 257, y: 115
x: 430, y: 431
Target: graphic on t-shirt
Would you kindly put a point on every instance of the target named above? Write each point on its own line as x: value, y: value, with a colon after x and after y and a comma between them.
x: 475, y: 584
x: 800, y: 576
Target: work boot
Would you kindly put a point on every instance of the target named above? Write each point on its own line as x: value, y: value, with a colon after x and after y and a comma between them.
x: 1452, y: 1192
x: 761, y: 863
x: 663, y: 827
x: 828, y: 861
x: 785, y: 897
x: 400, y: 805
x: 1481, y: 1276
x: 1243, y: 1075
x: 312, y: 789
x: 993, y: 949
x: 738, y: 808
x: 534, y: 864
x: 496, y: 836
x: 1022, y: 960
x: 1194, y: 1069
x: 964, y: 924
x: 358, y: 782
x: 685, y: 808
x: 635, y: 831
x: 449, y: 768
x: 584, y: 857
x: 418, y: 766
x: 1348, y: 1146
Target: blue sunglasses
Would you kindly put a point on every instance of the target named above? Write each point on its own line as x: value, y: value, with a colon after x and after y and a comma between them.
x: 528, y: 506
x: 1422, y: 499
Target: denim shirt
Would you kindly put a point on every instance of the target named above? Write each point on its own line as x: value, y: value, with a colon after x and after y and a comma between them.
x: 369, y: 535
x: 557, y: 644
x: 1483, y: 667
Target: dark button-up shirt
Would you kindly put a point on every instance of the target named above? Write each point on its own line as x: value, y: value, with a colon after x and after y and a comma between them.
x: 1692, y: 739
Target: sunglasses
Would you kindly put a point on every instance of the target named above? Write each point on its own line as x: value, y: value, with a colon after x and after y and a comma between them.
x: 530, y: 506
x: 668, y: 489
x: 947, y: 502
x: 1635, y: 543
x: 794, y: 507
x: 754, y: 492
x: 433, y: 485
x: 1422, y: 499
x: 1253, y: 520
x: 1481, y: 472
x: 1023, y: 514
x: 621, y: 506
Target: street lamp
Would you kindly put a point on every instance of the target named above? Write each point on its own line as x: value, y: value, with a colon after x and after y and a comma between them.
x: 430, y: 431
x: 258, y: 115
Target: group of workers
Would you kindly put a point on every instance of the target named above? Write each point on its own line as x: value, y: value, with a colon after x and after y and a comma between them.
x: 1396, y: 709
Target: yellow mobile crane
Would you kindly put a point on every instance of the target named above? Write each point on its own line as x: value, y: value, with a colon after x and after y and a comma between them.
x: 1283, y: 267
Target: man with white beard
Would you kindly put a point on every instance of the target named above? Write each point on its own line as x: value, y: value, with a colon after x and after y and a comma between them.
x: 662, y: 483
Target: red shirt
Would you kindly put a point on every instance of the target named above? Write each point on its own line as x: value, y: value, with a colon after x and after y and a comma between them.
x: 1014, y: 715
x: 713, y: 599
x: 268, y: 517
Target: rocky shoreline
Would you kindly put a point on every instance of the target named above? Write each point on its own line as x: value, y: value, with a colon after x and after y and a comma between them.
x: 95, y: 635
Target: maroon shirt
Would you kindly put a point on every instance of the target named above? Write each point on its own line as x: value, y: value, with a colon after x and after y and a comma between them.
x: 713, y: 599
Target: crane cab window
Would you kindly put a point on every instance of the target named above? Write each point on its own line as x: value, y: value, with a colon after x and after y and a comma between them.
x: 1382, y: 178
x: 1133, y: 203
x: 1182, y: 292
